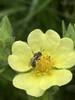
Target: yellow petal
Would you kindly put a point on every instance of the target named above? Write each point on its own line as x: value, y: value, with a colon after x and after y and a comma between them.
x: 36, y: 40
x: 52, y: 39
x: 21, y: 55
x: 19, y: 63
x: 35, y: 92
x: 66, y: 61
x: 29, y: 83
x: 21, y: 48
x: 65, y: 46
x: 57, y: 77
x: 64, y: 55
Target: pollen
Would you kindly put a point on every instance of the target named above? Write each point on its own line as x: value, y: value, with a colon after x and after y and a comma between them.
x: 44, y: 65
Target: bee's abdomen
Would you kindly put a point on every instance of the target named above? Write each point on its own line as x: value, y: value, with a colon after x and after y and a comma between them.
x: 33, y: 62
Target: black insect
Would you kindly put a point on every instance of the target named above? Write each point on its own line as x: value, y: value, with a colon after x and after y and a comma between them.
x: 35, y: 58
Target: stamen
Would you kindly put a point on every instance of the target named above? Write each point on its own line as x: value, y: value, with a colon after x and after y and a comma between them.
x: 44, y: 65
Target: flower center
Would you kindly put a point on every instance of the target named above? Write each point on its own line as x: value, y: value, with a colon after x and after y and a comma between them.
x: 43, y: 64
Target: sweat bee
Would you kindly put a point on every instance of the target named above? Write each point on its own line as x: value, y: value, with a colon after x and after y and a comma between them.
x: 35, y: 58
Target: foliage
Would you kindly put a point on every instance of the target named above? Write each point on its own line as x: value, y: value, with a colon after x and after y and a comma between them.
x: 24, y: 16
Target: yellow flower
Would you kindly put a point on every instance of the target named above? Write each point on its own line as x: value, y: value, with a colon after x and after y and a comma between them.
x: 42, y: 62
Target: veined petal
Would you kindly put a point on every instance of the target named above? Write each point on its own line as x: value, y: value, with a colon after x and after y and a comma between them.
x: 64, y: 55
x: 21, y: 48
x: 65, y: 47
x: 66, y: 44
x: 28, y: 82
x: 52, y: 39
x: 36, y: 40
x: 20, y: 58
x: 35, y: 92
x: 57, y: 77
x: 66, y: 61
x: 19, y: 62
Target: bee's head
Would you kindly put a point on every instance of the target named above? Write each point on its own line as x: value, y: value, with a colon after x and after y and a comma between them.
x: 38, y: 54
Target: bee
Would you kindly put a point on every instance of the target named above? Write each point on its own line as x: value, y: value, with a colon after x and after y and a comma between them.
x: 35, y: 58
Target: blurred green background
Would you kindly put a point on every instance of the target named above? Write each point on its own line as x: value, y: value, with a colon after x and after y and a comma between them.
x: 26, y: 15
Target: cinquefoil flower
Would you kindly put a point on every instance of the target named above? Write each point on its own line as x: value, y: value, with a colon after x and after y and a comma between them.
x: 42, y: 62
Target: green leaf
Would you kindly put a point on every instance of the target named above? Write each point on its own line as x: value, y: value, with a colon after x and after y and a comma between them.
x: 5, y: 29
x: 8, y: 73
x: 6, y: 40
x: 70, y: 32
x: 63, y: 28
x: 1, y: 70
x: 53, y: 90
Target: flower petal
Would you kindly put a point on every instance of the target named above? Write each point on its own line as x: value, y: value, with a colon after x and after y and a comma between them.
x: 64, y: 55
x: 36, y: 40
x: 21, y: 48
x: 29, y: 83
x: 20, y: 58
x: 52, y: 39
x: 66, y: 61
x: 19, y: 63
x: 38, y: 93
x: 57, y: 77
x: 65, y: 46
